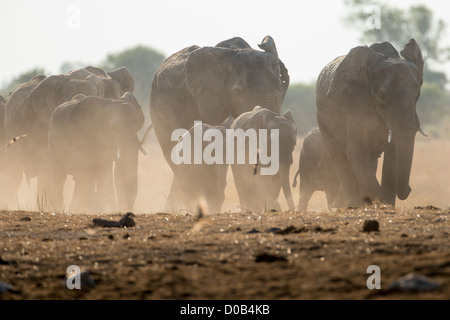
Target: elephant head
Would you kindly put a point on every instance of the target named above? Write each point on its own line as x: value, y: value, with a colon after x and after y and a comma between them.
x: 125, y: 79
x: 380, y: 89
x: 126, y: 119
x: 232, y: 78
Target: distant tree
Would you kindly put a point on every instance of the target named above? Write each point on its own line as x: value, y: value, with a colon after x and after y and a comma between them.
x: 22, y: 78
x: 142, y: 62
x: 301, y: 100
x: 398, y: 26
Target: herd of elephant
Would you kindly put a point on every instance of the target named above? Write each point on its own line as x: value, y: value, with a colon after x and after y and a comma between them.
x: 85, y: 123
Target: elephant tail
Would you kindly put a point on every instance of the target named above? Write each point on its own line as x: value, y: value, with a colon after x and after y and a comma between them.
x: 294, y: 183
x: 150, y: 127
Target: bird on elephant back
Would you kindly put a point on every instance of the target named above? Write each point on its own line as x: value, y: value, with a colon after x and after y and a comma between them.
x: 28, y: 112
x: 366, y: 105
x: 210, y: 83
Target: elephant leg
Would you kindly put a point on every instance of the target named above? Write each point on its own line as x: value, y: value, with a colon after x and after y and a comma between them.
x: 338, y: 155
x: 82, y: 195
x: 363, y: 164
x: 191, y: 186
x: 347, y: 179
x: 105, y: 188
x: 388, y: 177
x: 243, y: 180
x: 269, y: 191
x: 57, y: 188
x: 10, y: 186
x: 175, y: 197
x: 305, y: 195
x: 331, y: 193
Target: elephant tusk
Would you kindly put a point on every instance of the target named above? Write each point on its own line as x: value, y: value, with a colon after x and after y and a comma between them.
x: 150, y: 127
x: 142, y: 150
x: 423, y: 133
x: 390, y: 136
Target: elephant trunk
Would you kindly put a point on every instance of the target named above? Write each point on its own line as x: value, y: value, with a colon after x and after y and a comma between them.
x: 404, y: 154
x: 126, y: 174
x: 285, y: 185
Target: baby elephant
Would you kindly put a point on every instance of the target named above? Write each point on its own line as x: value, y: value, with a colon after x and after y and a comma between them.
x: 205, y: 181
x: 316, y: 171
x: 259, y: 185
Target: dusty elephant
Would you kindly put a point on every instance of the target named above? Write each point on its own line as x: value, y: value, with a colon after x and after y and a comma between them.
x: 88, y: 134
x: 210, y: 83
x: 28, y: 112
x: 207, y: 180
x: 31, y: 117
x: 366, y: 105
x: 316, y: 171
x: 258, y: 191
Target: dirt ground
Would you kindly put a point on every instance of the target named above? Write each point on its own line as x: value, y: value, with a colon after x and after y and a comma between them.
x: 235, y: 255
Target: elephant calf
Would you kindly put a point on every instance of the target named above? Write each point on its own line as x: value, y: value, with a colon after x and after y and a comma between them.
x: 258, y: 191
x: 207, y: 181
x: 316, y: 171
x: 88, y: 134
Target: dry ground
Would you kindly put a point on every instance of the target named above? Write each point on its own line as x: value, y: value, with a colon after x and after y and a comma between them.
x: 252, y: 255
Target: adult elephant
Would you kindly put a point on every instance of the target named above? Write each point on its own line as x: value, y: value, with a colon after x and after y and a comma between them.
x: 209, y: 84
x: 366, y: 105
x: 88, y: 134
x: 256, y: 190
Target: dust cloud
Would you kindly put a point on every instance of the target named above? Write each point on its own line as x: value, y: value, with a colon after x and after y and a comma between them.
x: 430, y: 182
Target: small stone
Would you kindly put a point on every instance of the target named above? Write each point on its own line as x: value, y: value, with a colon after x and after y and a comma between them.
x: 413, y: 282
x: 371, y: 225
x: 5, y: 287
x: 126, y: 222
x: 266, y: 257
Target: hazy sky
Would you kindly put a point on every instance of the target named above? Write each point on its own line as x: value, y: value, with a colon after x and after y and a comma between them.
x: 47, y: 33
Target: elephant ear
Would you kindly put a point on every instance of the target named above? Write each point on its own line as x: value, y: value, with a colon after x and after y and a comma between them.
x: 268, y: 45
x: 228, y: 122
x: 412, y: 53
x: 284, y: 77
x: 97, y: 71
x: 288, y: 115
x: 351, y: 85
x: 140, y: 118
x: 125, y: 79
x: 235, y: 43
x: 205, y: 79
x: 353, y: 72
x: 385, y: 48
